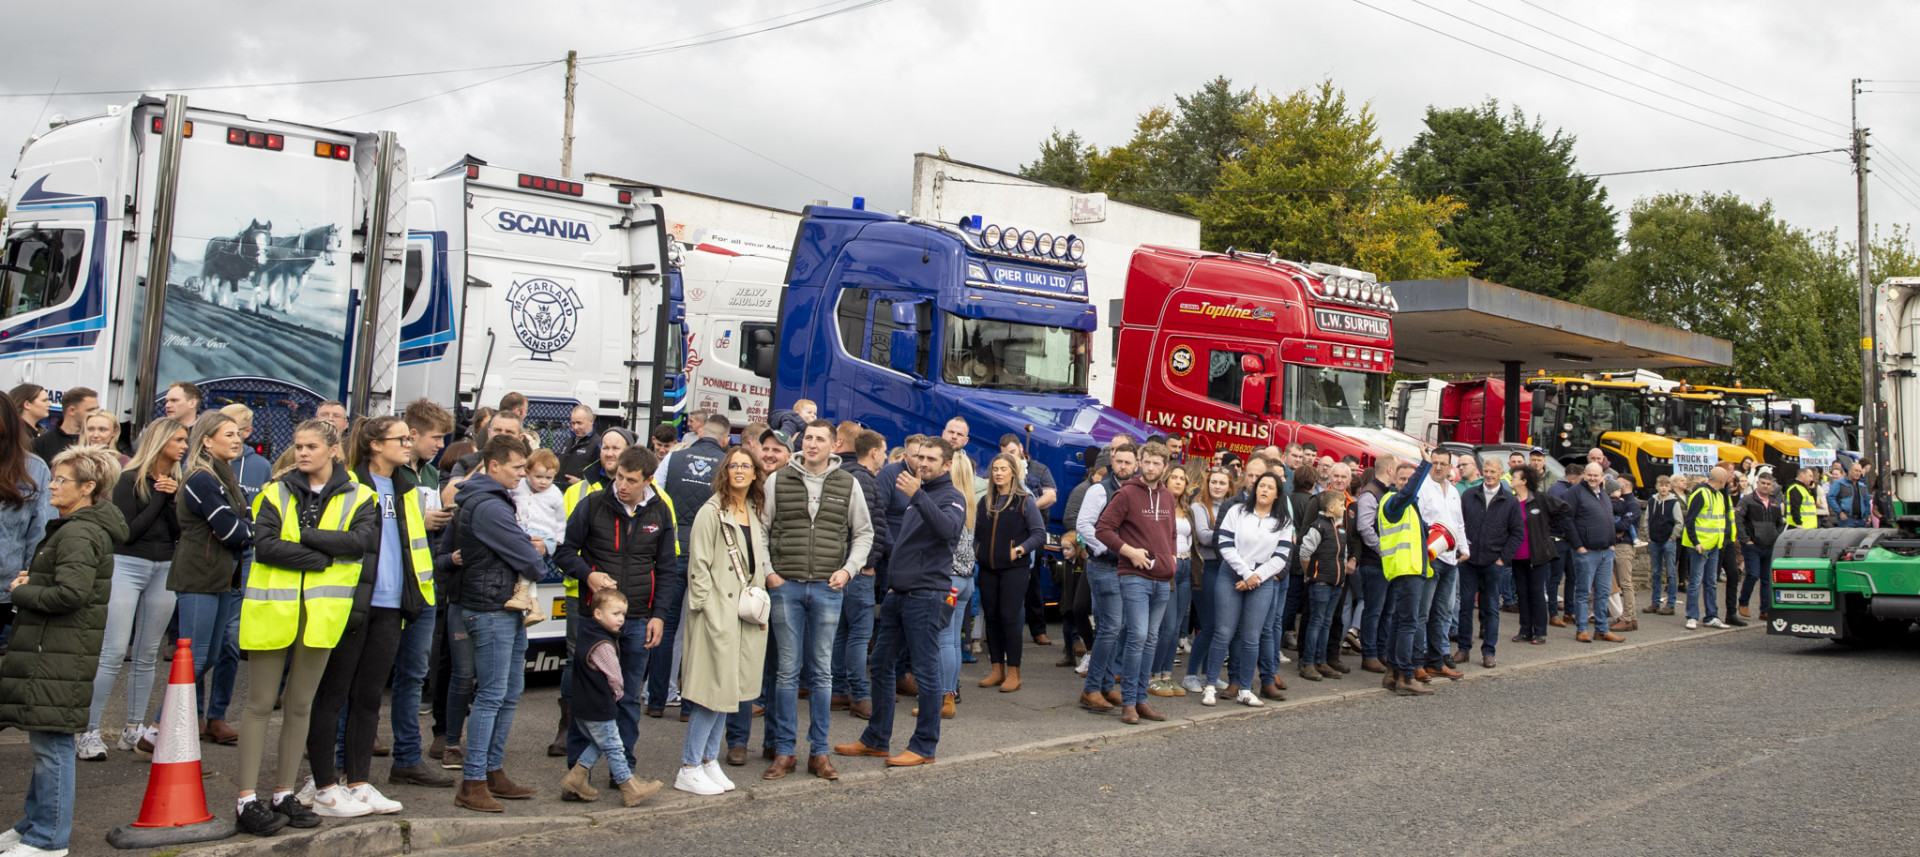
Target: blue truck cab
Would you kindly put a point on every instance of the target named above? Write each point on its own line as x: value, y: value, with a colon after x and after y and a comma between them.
x: 901, y: 324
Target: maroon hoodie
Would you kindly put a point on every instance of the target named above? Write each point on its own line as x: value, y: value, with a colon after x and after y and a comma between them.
x: 1142, y: 517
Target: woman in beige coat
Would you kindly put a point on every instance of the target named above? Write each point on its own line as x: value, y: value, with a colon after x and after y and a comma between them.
x: 721, y: 655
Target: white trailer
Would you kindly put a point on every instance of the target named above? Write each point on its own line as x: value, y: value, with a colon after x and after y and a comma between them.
x: 276, y: 246
x: 552, y: 288
x: 946, y: 190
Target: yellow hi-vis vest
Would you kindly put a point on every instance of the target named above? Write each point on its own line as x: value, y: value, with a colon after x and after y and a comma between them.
x: 1403, y: 547
x: 270, y: 607
x: 419, y: 555
x: 1711, y: 523
x: 1808, y: 517
x: 577, y: 492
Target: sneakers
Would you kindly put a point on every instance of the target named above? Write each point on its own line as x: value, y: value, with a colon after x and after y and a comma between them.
x: 306, y: 793
x: 695, y: 780
x: 88, y: 747
x: 1736, y: 621
x: 1190, y: 684
x: 1248, y: 698
x: 335, y: 802
x: 1716, y: 623
x: 1160, y: 686
x: 379, y: 803
x: 1186, y: 646
x: 1210, y: 696
x: 130, y: 737
x: 1692, y: 624
x: 717, y: 776
x: 22, y: 849
x: 296, y: 813
x: 453, y: 759
x: 1081, y: 667
x: 9, y: 838
x: 258, y: 819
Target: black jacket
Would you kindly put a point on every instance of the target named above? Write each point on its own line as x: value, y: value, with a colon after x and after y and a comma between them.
x: 153, y: 528
x: 577, y: 455
x: 1759, y: 524
x: 1016, y: 525
x: 1592, y: 518
x: 636, y: 550
x: 876, y: 511
x: 317, y: 548
x: 1546, y: 518
x: 1494, y: 530
x: 494, y: 550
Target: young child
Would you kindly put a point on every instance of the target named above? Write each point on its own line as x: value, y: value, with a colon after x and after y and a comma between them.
x: 542, y: 512
x: 596, y: 698
x: 1322, y: 556
x: 1665, y: 523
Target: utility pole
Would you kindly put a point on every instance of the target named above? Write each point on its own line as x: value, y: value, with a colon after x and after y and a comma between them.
x: 1869, y: 367
x: 566, y: 136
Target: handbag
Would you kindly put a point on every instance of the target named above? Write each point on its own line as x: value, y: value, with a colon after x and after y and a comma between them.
x: 755, y: 605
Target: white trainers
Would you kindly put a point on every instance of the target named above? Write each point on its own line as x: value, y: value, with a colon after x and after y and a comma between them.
x: 1692, y: 625
x: 305, y: 794
x: 1716, y: 623
x: 22, y: 849
x: 88, y: 747
x: 1081, y: 668
x: 1190, y: 684
x: 379, y: 803
x: 9, y: 838
x: 130, y: 737
x: 695, y: 780
x: 1186, y: 645
x: 1249, y: 698
x: 1210, y: 696
x: 335, y: 802
x: 1284, y: 659
x: 717, y: 776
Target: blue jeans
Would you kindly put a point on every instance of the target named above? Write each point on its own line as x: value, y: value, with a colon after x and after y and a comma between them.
x: 460, y: 673
x: 705, y: 728
x: 1701, y: 584
x: 1321, y: 599
x: 207, y: 619
x: 1480, y: 588
x: 410, y: 667
x: 1403, y: 599
x: 1439, y: 604
x: 1144, y: 600
x: 1175, y: 620
x: 1103, y: 583
x: 49, y: 806
x: 740, y: 721
x: 1373, y: 597
x: 634, y: 664
x: 1270, y: 633
x: 1210, y: 580
x: 1593, y: 577
x: 908, y: 622
x: 805, y: 615
x: 1661, y: 555
x: 1559, y: 579
x: 605, y: 735
x: 500, y: 673
x: 1238, y: 619
x: 1759, y: 571
x: 137, y: 614
x: 950, y: 638
x: 851, y: 639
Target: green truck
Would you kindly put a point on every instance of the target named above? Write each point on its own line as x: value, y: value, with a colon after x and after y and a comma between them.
x: 1862, y: 586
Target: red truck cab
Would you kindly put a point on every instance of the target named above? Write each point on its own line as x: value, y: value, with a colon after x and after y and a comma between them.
x: 1236, y: 351
x: 1474, y: 412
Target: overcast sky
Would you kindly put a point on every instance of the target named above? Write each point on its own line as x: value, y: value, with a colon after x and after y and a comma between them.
x: 844, y: 102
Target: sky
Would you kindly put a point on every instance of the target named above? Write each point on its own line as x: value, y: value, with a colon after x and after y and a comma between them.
x: 836, y: 107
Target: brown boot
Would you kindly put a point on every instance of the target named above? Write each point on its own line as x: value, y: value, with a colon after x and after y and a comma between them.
x: 840, y: 702
x: 1095, y: 702
x: 1113, y: 697
x: 946, y: 707
x: 822, y: 766
x: 1309, y: 672
x: 1391, y: 680
x: 1421, y: 675
x: 1583, y: 637
x: 1557, y: 622
x: 994, y: 678
x: 574, y: 785
x: 1329, y: 671
x: 473, y: 795
x: 559, y: 745
x: 219, y: 732
x: 1067, y: 660
x: 1373, y: 665
x: 501, y: 786
x: 906, y: 686
x: 1445, y: 671
x: 1411, y: 688
x: 632, y: 792
x: 782, y: 766
x: 1271, y: 691
x: 861, y: 708
x: 1013, y: 680
x: 1146, y: 712
x: 1129, y: 715
x: 1612, y: 637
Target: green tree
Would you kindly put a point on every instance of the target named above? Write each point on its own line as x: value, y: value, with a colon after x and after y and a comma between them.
x: 1529, y: 220
x: 1173, y: 149
x: 1314, y: 183
x: 1063, y: 160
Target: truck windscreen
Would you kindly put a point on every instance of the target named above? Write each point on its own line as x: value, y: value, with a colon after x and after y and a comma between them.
x: 1335, y: 397
x: 1823, y: 435
x: 994, y: 354
x: 1605, y: 409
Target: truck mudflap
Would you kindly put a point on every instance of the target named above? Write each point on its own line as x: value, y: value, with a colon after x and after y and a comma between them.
x: 1818, y: 624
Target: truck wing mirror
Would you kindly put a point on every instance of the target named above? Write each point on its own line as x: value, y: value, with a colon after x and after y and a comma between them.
x: 764, y: 355
x: 1251, y: 364
x: 904, y: 346
x: 1253, y: 391
x: 906, y: 314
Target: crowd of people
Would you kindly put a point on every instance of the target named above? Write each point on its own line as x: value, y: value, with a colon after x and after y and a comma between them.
x: 737, y: 572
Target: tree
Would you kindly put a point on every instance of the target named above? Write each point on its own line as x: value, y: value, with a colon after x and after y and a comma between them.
x: 1172, y: 150
x: 1530, y: 221
x: 1315, y: 183
x: 1063, y: 160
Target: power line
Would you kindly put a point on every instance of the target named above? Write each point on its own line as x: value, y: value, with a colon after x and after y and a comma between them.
x: 730, y: 141
x: 1612, y: 76
x: 1571, y: 80
x: 444, y: 92
x: 311, y: 82
x: 1897, y: 192
x: 1437, y: 185
x: 1668, y: 78
x: 1703, y: 74
x: 727, y: 34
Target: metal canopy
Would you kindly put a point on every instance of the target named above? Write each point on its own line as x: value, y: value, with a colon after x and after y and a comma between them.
x: 1468, y: 325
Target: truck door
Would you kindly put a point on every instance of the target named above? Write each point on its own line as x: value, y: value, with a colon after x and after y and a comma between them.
x: 41, y: 286
x: 868, y: 319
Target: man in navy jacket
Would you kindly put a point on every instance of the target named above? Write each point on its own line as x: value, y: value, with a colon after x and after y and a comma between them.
x: 1592, y: 556
x: 1494, y: 528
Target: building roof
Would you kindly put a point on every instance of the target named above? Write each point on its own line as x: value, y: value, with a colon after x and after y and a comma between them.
x: 1468, y: 325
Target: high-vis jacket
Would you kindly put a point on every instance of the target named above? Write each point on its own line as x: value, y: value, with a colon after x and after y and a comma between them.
x: 415, y: 549
x: 309, y: 548
x: 1706, y: 519
x: 1403, y: 535
x: 1802, y: 511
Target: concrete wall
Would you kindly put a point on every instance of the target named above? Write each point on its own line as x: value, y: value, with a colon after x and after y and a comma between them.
x: 947, y: 190
x: 691, y: 215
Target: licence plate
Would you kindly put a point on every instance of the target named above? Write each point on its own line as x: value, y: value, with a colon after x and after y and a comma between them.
x: 1802, y: 596
x: 559, y: 610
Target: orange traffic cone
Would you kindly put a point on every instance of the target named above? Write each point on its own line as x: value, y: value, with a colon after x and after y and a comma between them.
x: 175, y: 809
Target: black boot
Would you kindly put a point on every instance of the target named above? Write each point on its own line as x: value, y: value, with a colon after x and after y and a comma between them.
x: 559, y: 745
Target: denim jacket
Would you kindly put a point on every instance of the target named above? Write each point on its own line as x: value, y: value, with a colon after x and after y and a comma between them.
x: 21, y: 529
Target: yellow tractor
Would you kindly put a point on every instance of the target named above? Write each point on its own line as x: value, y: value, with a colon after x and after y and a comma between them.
x: 1746, y: 417
x: 1696, y: 417
x: 1573, y: 415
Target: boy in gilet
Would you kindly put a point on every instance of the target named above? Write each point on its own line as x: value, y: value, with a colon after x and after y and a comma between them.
x: 596, y: 697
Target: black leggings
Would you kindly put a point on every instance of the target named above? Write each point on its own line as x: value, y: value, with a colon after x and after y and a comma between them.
x: 1076, y: 611
x: 356, y: 675
x: 1003, y: 595
x: 1530, y: 579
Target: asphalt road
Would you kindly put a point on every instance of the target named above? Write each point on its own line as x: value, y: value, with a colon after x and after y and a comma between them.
x: 1739, y: 744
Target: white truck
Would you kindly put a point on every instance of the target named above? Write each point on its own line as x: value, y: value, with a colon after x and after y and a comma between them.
x: 276, y: 249
x: 732, y: 286
x: 549, y: 287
